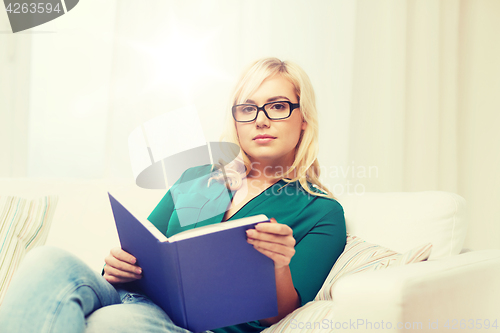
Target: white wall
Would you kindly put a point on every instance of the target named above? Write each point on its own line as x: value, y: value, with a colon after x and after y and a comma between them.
x: 479, y: 105
x: 93, y: 80
x: 69, y: 92
x: 73, y: 89
x: 15, y: 58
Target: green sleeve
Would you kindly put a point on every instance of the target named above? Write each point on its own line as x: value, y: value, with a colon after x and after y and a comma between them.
x: 316, y: 253
x: 160, y: 216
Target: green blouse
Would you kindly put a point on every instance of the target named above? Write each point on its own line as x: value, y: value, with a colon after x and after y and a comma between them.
x: 317, y: 222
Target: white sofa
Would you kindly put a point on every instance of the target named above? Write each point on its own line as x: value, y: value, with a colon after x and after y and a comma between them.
x: 450, y: 290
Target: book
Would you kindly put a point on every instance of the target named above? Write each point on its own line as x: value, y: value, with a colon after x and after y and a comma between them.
x: 203, y: 278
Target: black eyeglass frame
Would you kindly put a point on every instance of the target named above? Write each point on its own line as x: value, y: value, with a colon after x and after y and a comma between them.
x: 292, y: 106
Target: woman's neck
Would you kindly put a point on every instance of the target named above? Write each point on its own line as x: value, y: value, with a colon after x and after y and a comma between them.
x: 267, y: 173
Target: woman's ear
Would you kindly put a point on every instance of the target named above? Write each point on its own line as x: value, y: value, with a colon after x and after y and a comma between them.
x: 304, y: 124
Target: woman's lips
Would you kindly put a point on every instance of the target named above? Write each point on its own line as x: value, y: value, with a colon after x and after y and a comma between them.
x: 264, y: 138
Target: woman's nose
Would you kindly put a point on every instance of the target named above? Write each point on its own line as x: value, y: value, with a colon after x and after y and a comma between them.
x: 262, y: 119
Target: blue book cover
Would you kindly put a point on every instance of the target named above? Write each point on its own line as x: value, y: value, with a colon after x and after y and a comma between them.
x: 204, y: 278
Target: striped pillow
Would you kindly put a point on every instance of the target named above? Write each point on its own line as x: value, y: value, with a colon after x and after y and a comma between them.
x: 24, y: 224
x: 361, y: 256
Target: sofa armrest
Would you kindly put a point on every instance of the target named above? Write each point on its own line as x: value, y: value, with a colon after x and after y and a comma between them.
x: 459, y: 292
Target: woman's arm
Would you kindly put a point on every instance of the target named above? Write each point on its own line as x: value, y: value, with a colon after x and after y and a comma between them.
x: 309, y: 263
x: 288, y: 299
x: 276, y: 241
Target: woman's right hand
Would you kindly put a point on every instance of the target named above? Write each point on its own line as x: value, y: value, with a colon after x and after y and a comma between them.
x: 120, y: 267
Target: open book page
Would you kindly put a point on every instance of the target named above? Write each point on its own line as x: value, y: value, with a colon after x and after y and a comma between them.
x: 218, y: 227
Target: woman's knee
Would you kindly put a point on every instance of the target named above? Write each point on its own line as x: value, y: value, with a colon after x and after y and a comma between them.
x: 51, y: 261
x: 50, y: 269
x: 53, y: 276
x: 49, y: 254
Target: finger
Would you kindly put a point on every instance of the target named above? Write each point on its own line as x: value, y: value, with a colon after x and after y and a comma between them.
x: 277, y: 248
x: 109, y: 270
x: 114, y: 279
x: 287, y: 240
x: 274, y: 228
x: 279, y: 259
x: 122, y: 255
x: 112, y: 261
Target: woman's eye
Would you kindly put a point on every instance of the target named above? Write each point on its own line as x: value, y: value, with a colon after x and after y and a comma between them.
x: 248, y: 109
x: 278, y: 106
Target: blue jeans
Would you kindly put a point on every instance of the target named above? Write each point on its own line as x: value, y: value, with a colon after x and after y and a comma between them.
x: 54, y: 291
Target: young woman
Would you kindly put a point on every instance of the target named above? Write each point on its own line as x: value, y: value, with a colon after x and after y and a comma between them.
x: 275, y: 124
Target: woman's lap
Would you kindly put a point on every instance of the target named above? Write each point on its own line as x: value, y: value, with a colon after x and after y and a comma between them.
x: 54, y: 291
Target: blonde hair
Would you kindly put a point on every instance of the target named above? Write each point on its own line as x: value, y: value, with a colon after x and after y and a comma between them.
x: 305, y: 166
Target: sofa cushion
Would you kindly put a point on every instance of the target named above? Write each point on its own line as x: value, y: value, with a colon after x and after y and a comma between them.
x: 403, y: 220
x: 24, y: 224
x: 361, y: 256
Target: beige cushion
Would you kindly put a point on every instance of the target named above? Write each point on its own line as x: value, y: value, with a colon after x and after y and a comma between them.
x: 361, y: 256
x: 24, y: 224
x: 404, y: 220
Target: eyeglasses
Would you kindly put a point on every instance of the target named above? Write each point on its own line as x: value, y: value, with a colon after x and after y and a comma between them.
x: 246, y: 113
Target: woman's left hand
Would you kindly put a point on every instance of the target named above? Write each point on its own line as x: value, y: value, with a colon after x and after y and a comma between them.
x: 274, y: 240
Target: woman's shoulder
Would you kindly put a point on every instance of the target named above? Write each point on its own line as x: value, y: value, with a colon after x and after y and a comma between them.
x: 198, y: 180
x: 317, y: 198
x: 327, y: 203
x: 195, y: 173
